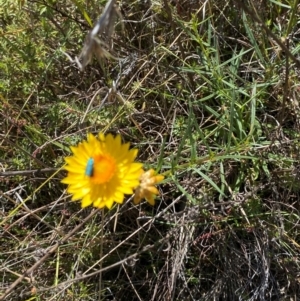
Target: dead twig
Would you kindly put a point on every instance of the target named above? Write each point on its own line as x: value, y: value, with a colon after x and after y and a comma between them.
x: 93, y: 45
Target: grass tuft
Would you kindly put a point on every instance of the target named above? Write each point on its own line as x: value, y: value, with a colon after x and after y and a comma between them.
x: 208, y: 93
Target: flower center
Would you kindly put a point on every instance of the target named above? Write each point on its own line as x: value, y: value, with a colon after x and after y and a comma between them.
x: 104, y: 169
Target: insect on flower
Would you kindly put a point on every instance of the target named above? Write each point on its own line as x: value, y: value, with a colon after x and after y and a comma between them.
x: 89, y: 170
x: 102, y: 170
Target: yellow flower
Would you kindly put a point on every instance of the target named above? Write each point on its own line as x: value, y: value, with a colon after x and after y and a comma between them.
x: 146, y: 189
x: 101, y: 171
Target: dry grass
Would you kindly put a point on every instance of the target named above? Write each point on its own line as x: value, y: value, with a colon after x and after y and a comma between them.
x: 207, y: 94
